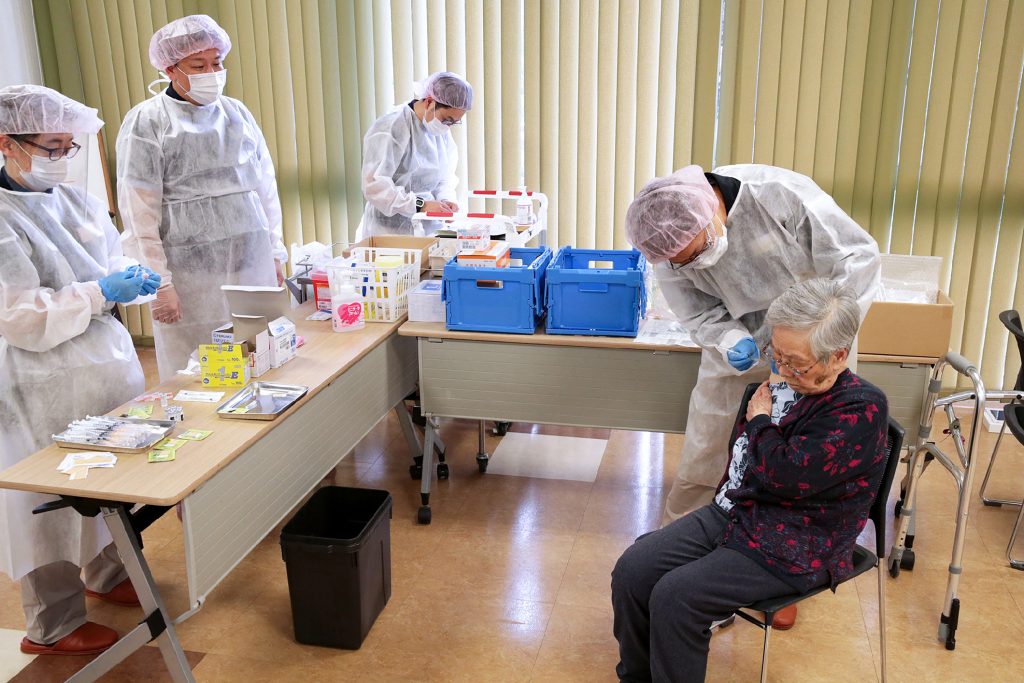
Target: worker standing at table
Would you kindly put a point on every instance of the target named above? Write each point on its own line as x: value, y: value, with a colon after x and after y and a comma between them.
x: 410, y: 158
x: 197, y: 190
x: 63, y: 356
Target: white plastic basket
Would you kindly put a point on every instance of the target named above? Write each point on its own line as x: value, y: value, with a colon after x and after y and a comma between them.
x: 385, y: 288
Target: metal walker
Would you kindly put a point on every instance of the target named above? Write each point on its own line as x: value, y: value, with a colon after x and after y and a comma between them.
x: 961, y: 468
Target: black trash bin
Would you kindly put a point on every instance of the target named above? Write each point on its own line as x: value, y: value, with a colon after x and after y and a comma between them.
x: 337, y: 550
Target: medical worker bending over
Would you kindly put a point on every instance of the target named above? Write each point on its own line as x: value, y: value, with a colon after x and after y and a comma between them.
x: 62, y: 356
x: 196, y: 189
x: 409, y: 157
x: 726, y: 244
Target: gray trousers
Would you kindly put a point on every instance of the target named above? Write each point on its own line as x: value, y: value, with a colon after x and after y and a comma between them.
x: 668, y: 588
x: 53, y: 596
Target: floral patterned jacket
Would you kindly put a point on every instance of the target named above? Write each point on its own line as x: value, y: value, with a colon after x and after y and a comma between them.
x: 806, y: 494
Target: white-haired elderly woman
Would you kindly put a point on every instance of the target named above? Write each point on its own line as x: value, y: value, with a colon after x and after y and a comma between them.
x: 807, y: 460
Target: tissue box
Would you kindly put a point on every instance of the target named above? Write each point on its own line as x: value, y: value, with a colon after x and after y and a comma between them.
x: 281, y: 341
x: 425, y: 303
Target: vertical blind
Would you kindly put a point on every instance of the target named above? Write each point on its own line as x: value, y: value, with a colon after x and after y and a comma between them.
x: 906, y: 111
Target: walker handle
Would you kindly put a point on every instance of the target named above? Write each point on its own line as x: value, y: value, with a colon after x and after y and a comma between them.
x: 960, y: 364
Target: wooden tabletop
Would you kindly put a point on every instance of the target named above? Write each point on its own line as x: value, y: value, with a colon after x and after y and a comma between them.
x: 324, y: 356
x: 438, y: 331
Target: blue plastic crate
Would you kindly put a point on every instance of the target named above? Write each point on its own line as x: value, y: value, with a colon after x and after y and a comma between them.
x: 497, y: 299
x: 585, y: 296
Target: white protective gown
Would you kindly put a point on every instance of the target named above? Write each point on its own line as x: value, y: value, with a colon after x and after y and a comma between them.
x: 402, y: 161
x: 782, y: 229
x: 198, y: 197
x: 62, y: 357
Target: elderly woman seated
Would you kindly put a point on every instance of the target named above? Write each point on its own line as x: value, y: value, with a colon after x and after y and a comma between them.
x: 806, y: 463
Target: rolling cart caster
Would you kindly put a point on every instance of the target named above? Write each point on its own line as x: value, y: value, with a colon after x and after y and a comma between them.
x: 423, y: 515
x: 907, y: 561
x: 501, y: 428
x: 481, y: 463
x: 416, y: 472
x: 442, y: 471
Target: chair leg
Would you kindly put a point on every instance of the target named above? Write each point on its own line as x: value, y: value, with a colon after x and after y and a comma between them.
x: 1016, y: 564
x: 995, y: 502
x: 764, y: 654
x: 881, y: 613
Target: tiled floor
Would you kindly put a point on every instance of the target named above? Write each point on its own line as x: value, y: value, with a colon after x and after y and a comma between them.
x: 511, y: 583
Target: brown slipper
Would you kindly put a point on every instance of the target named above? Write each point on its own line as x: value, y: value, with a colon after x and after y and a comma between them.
x: 784, y: 618
x: 121, y: 594
x: 88, y: 639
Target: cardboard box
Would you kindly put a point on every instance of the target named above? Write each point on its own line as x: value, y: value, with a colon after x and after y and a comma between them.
x: 893, y: 328
x: 397, y: 242
x: 227, y: 376
x: 281, y: 341
x: 491, y: 255
x: 256, y: 350
x: 221, y: 354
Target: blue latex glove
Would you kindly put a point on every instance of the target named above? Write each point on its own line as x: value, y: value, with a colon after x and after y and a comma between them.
x: 743, y: 354
x: 150, y: 283
x: 122, y: 286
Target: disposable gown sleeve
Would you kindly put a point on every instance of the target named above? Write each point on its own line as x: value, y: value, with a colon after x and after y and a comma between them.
x: 269, y: 197
x: 382, y: 153
x: 446, y: 190
x: 140, y: 192
x: 840, y: 249
x: 702, y: 315
x: 37, y: 318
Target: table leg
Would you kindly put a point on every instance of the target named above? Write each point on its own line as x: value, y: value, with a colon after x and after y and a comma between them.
x: 423, y: 515
x: 157, y: 626
x: 481, y: 452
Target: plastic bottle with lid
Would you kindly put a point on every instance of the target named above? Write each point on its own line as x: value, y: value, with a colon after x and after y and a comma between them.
x: 347, y: 309
x: 524, y: 209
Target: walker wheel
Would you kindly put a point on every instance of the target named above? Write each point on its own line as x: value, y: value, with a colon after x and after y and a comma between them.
x: 907, y: 561
x: 442, y: 470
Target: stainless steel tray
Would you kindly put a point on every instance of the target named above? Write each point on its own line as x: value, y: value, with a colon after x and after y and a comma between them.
x: 168, y: 427
x: 261, y: 401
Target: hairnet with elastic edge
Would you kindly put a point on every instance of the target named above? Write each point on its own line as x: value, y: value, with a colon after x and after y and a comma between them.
x: 446, y: 88
x: 34, y: 109
x: 187, y: 36
x: 669, y: 212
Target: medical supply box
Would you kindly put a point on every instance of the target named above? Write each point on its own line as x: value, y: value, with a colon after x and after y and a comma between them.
x: 337, y: 553
x: 898, y: 328
x: 224, y: 365
x: 509, y: 299
x: 488, y: 255
x: 382, y: 276
x: 595, y: 292
x: 282, y: 341
x: 910, y: 315
x: 425, y: 303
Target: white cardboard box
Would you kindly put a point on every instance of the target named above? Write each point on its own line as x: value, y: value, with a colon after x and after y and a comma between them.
x: 425, y: 304
x: 282, y: 341
x: 257, y: 347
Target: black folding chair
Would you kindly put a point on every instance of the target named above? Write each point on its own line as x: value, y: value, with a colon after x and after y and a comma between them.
x: 1013, y: 420
x: 863, y: 559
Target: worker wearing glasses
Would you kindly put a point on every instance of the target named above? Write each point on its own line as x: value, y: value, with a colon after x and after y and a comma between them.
x: 410, y: 158
x: 725, y: 245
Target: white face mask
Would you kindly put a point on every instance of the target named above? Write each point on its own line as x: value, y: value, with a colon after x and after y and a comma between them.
x: 45, y: 173
x: 206, y: 88
x: 714, y: 252
x: 434, y: 125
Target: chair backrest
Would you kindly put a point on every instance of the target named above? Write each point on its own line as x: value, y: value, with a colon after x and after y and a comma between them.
x: 1011, y: 320
x: 893, y: 444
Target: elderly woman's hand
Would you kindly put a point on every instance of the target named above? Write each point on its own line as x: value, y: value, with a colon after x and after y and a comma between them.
x: 760, y: 403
